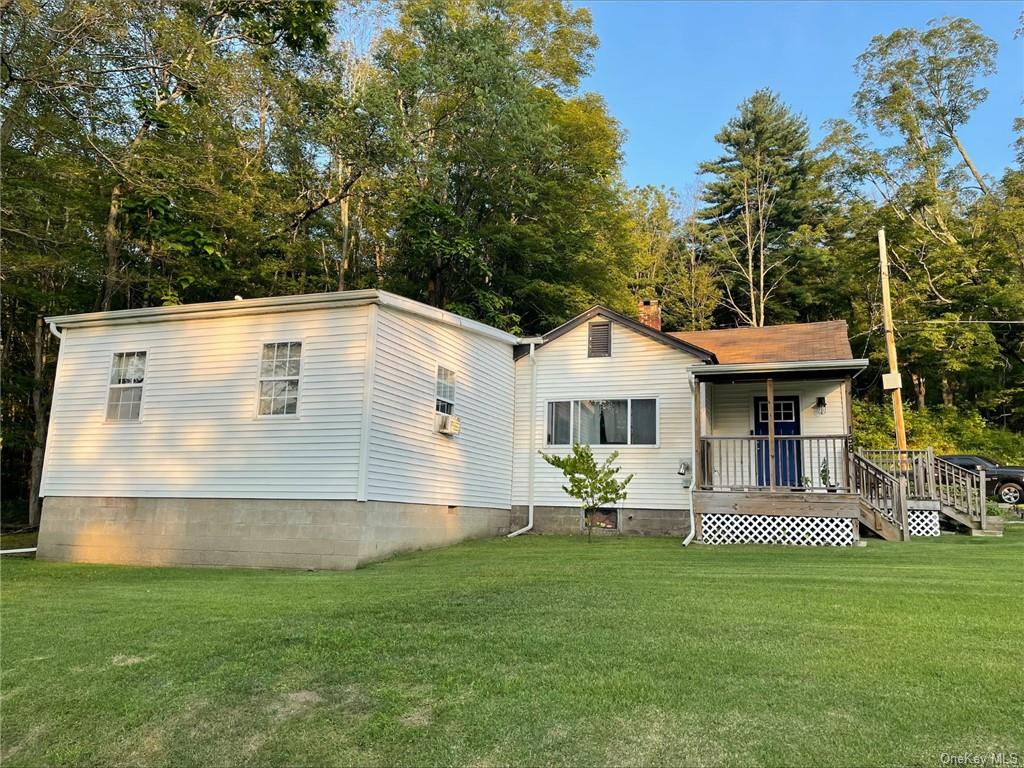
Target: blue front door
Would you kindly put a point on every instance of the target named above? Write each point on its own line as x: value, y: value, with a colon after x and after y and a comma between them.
x: 788, y: 456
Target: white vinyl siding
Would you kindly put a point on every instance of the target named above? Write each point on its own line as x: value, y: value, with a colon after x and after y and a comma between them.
x: 200, y: 435
x: 409, y: 460
x: 640, y: 368
x: 731, y: 406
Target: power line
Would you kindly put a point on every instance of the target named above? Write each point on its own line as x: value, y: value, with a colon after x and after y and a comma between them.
x: 952, y: 320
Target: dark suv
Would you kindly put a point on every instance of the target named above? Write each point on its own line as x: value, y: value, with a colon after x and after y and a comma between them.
x: 1005, y: 484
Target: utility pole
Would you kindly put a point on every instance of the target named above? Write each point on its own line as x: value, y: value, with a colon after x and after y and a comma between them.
x: 891, y: 381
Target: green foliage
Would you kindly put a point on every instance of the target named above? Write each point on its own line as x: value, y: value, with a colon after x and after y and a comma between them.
x: 763, y: 210
x: 173, y: 151
x: 593, y: 485
x: 668, y: 263
x: 947, y: 429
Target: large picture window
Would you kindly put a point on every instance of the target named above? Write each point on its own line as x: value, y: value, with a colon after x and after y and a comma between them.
x: 127, y: 377
x: 279, y: 378
x: 603, y: 422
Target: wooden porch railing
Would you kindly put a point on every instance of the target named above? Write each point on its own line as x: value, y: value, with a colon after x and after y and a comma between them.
x: 929, y: 477
x: 882, y: 491
x: 814, y: 462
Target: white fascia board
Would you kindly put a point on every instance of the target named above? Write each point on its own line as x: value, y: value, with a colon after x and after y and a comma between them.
x: 218, y: 308
x: 784, y: 367
x: 402, y: 304
x: 275, y: 304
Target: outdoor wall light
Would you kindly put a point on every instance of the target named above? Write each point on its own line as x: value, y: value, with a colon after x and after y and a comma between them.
x: 819, y: 404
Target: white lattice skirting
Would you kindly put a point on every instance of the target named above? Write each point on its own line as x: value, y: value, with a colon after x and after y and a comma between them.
x: 771, y: 529
x: 923, y: 522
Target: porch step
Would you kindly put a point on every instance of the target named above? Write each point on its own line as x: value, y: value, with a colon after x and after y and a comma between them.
x: 987, y: 532
x: 993, y: 525
x: 875, y: 522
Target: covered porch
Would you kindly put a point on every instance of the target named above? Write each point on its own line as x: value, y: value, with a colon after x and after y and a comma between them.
x: 774, y: 459
x: 773, y: 433
x: 773, y: 450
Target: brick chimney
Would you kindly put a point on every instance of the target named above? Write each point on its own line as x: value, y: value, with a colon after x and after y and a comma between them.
x: 650, y: 313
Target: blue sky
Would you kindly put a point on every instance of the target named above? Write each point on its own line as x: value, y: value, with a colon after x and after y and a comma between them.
x: 674, y: 72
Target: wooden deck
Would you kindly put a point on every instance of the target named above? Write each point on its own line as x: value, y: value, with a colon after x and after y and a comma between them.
x: 778, y: 503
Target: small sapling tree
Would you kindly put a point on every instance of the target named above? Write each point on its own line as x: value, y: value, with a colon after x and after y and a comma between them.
x: 594, y: 486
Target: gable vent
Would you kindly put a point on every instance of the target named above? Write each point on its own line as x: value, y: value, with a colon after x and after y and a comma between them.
x: 599, y: 341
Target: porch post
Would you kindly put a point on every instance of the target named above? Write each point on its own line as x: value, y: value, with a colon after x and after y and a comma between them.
x: 770, y: 391
x: 848, y: 442
x: 698, y: 431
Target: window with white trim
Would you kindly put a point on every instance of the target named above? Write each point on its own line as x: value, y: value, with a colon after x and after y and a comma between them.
x: 785, y: 411
x: 445, y: 392
x: 127, y: 377
x: 279, y: 378
x: 631, y: 421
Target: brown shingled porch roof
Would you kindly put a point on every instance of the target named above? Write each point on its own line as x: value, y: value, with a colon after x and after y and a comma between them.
x: 774, y: 343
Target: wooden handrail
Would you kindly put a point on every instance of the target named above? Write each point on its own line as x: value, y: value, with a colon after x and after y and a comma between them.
x: 882, y: 491
x: 960, y: 488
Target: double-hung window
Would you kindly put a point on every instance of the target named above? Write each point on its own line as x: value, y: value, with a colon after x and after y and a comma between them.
x: 445, y: 391
x: 631, y: 421
x: 127, y: 377
x: 279, y: 378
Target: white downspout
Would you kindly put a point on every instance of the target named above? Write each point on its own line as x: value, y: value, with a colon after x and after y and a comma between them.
x: 55, y: 332
x: 693, y: 463
x: 530, y: 443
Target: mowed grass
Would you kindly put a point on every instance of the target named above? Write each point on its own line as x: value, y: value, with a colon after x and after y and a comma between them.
x: 18, y: 540
x: 535, y: 651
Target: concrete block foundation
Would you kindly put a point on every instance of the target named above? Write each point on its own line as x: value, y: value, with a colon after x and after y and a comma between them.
x: 252, y: 533
x: 632, y: 521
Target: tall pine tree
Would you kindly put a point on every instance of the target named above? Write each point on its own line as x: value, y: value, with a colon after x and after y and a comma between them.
x: 760, y: 208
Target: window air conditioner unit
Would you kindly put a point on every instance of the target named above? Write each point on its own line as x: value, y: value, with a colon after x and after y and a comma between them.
x: 449, y: 424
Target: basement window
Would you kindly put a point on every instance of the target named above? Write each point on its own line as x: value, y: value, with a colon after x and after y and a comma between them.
x: 605, y: 517
x: 127, y: 377
x: 279, y: 378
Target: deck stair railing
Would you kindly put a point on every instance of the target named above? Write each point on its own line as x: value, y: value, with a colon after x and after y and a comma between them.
x: 929, y: 477
x: 884, y: 492
x: 914, y: 465
x: 961, y: 489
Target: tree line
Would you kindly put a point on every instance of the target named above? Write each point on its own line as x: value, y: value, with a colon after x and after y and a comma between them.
x: 167, y: 151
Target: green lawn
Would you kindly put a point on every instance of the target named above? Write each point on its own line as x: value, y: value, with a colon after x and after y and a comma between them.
x: 536, y: 651
x: 18, y: 540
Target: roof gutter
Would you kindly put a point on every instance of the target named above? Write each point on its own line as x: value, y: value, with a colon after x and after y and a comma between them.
x: 408, y: 306
x: 857, y: 364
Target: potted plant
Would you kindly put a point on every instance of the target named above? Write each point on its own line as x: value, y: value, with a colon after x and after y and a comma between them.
x: 805, y: 484
x: 825, y: 475
x: 593, y: 485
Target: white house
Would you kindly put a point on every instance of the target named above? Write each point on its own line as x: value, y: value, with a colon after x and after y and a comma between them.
x: 328, y: 430
x: 302, y: 431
